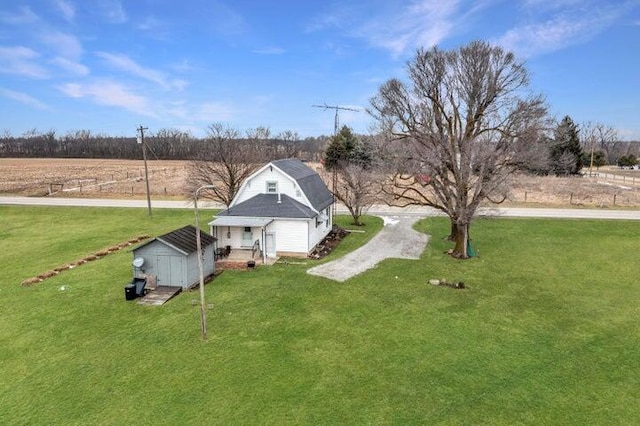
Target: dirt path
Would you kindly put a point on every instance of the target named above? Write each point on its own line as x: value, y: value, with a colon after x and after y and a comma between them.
x: 397, y: 239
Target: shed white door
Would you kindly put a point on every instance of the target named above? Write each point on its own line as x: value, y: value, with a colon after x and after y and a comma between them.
x: 270, y: 244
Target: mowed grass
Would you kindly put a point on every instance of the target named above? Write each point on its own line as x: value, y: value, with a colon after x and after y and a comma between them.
x: 546, y: 332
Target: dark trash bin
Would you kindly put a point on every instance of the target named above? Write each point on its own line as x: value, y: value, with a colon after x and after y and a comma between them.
x: 135, y: 288
x: 139, y: 283
x: 130, y: 292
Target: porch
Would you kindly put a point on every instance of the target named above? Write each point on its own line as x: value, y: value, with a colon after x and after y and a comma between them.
x: 239, y: 258
x: 241, y: 239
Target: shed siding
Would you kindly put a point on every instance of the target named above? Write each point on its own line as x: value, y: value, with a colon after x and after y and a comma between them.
x: 171, y: 267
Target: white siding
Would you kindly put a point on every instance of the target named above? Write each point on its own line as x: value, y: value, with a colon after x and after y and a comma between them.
x: 291, y: 235
x: 257, y: 184
x: 316, y: 234
x: 226, y: 237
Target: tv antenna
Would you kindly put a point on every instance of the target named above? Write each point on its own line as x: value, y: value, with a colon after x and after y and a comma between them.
x: 337, y: 108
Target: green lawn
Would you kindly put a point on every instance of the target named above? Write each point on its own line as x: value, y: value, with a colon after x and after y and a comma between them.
x: 547, y: 331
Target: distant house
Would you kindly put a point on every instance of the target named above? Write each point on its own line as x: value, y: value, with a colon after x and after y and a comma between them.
x: 172, y: 259
x: 284, y: 208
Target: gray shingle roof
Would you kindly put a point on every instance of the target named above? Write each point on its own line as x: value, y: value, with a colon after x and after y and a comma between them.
x: 184, y: 239
x: 266, y: 205
x: 309, y: 181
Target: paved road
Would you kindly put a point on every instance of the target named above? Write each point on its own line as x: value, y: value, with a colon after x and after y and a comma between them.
x: 379, y: 210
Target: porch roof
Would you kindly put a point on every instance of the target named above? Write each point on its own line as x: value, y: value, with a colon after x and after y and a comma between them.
x: 241, y: 221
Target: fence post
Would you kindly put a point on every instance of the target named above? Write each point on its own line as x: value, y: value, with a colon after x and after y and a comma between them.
x: 614, y: 199
x: 571, y: 199
x: 525, y: 196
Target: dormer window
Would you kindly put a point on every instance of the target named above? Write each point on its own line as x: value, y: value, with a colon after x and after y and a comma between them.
x: 272, y: 187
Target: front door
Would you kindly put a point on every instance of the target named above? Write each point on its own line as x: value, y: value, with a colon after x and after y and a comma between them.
x: 247, y: 237
x: 271, y: 245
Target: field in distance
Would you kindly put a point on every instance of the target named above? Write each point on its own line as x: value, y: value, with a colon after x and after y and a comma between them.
x: 608, y: 187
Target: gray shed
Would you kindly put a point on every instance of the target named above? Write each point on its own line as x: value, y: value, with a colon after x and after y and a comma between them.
x: 172, y: 258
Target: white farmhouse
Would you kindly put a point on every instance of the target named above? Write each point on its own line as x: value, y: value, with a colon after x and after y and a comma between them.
x: 283, y: 209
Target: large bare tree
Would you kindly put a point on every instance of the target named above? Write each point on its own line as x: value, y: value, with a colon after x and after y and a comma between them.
x: 599, y: 137
x: 458, y: 120
x: 356, y: 187
x: 226, y: 162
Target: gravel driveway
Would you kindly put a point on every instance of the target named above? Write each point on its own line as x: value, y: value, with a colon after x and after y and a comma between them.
x: 397, y: 239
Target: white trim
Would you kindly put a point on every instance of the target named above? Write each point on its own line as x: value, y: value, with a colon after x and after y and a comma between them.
x: 241, y: 221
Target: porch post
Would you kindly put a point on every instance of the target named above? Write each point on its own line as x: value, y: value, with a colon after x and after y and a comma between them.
x: 264, y: 246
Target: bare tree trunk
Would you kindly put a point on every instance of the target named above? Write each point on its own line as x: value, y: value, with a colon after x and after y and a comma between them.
x: 355, y: 215
x: 462, y: 241
x: 454, y: 231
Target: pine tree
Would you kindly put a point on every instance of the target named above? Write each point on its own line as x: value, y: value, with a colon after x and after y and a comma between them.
x: 341, y: 149
x: 566, y: 152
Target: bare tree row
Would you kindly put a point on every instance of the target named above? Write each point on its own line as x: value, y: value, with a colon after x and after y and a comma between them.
x: 164, y: 144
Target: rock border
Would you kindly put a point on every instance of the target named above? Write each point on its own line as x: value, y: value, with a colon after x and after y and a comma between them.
x: 91, y: 257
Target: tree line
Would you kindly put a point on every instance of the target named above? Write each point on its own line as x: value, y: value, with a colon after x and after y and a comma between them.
x: 164, y: 144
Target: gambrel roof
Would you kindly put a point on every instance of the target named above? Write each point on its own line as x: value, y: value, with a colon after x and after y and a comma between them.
x: 183, y: 240
x: 308, y: 180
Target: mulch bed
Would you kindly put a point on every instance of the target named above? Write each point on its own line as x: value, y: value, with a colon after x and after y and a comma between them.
x: 330, y: 242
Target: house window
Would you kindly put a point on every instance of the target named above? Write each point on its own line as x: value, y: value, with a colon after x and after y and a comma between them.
x: 272, y: 187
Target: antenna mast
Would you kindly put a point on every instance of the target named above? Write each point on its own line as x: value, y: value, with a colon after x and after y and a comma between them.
x: 336, y: 123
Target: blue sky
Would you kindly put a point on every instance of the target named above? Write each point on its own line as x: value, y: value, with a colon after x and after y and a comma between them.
x: 111, y: 65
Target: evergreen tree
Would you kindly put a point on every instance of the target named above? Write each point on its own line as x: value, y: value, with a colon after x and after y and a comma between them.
x: 566, y: 151
x: 345, y: 149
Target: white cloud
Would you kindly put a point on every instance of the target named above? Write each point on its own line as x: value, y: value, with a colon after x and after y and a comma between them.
x: 22, y: 61
x: 112, y: 11
x: 183, y: 66
x: 74, y: 67
x: 126, y: 64
x: 24, y: 16
x: 66, y: 45
x: 272, y: 50
x: 22, y: 98
x: 214, y: 111
x: 225, y: 20
x: 110, y: 93
x: 424, y: 23
x: 561, y: 31
x: 67, y: 10
x: 396, y: 28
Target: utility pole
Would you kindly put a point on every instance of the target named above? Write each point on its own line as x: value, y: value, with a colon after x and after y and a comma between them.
x: 336, y: 124
x: 203, y: 314
x: 144, y: 157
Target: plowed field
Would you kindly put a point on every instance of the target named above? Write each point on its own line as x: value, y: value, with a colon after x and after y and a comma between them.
x: 96, y: 178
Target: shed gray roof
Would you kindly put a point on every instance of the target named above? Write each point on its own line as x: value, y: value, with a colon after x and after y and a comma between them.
x: 309, y: 181
x: 267, y: 205
x: 183, y: 239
